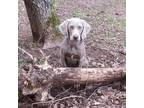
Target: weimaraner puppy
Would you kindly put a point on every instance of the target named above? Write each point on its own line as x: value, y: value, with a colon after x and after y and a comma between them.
x: 72, y: 49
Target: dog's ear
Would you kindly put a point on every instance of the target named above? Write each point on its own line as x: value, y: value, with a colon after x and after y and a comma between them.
x: 63, y: 27
x: 86, y: 29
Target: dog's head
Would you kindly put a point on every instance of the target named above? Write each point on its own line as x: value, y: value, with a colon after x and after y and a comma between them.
x: 75, y: 29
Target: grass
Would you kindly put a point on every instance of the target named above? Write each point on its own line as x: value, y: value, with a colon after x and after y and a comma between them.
x: 22, y: 61
x: 26, y: 61
x: 121, y: 24
x: 40, y: 61
x: 78, y: 13
x: 114, y: 24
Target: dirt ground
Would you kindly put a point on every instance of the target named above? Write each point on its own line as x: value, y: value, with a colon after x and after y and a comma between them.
x: 105, y: 47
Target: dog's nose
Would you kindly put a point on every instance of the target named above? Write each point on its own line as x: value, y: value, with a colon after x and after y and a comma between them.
x: 75, y: 37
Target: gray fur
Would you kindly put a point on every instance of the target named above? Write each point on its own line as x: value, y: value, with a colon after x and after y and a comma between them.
x: 72, y: 28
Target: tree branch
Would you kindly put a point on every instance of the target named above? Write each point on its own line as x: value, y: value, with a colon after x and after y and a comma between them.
x: 31, y: 56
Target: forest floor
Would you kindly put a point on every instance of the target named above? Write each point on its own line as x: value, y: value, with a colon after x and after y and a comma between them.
x: 105, y: 47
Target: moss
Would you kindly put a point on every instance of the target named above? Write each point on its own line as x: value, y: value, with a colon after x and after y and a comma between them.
x: 23, y: 61
x: 54, y: 19
x: 40, y: 61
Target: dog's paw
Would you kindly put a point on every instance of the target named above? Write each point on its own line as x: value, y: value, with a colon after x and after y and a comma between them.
x: 84, y: 64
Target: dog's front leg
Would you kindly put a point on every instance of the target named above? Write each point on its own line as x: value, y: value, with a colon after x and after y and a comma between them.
x: 62, y: 58
x: 83, y: 62
x: 83, y: 59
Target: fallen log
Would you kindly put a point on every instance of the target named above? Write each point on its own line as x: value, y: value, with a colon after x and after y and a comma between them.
x: 38, y: 79
x: 87, y: 75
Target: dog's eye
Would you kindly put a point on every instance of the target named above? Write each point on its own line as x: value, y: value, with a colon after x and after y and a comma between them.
x: 79, y: 27
x: 71, y: 27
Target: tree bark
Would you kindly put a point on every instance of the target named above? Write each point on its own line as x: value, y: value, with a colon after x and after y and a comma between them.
x: 36, y: 79
x: 38, y: 12
x: 87, y: 75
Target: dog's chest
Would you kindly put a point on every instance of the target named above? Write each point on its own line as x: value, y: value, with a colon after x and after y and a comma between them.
x: 74, y: 51
x: 72, y: 57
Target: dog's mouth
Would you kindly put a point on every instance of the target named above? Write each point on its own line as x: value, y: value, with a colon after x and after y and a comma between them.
x: 73, y: 42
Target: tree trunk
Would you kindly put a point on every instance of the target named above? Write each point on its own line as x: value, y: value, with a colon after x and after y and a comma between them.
x: 38, y: 13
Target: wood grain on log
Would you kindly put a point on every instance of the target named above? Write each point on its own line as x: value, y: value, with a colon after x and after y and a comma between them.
x: 87, y: 75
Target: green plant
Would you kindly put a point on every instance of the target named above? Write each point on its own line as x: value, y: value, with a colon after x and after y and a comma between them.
x: 78, y: 13
x: 54, y: 19
x: 22, y: 62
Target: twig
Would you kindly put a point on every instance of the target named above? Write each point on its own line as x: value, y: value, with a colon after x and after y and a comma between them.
x: 92, y: 94
x: 62, y: 93
x: 53, y: 101
x: 42, y: 53
x: 72, y: 96
x: 26, y: 53
x: 97, y: 89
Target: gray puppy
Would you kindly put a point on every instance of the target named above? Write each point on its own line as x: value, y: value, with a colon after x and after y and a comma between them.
x: 72, y: 51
